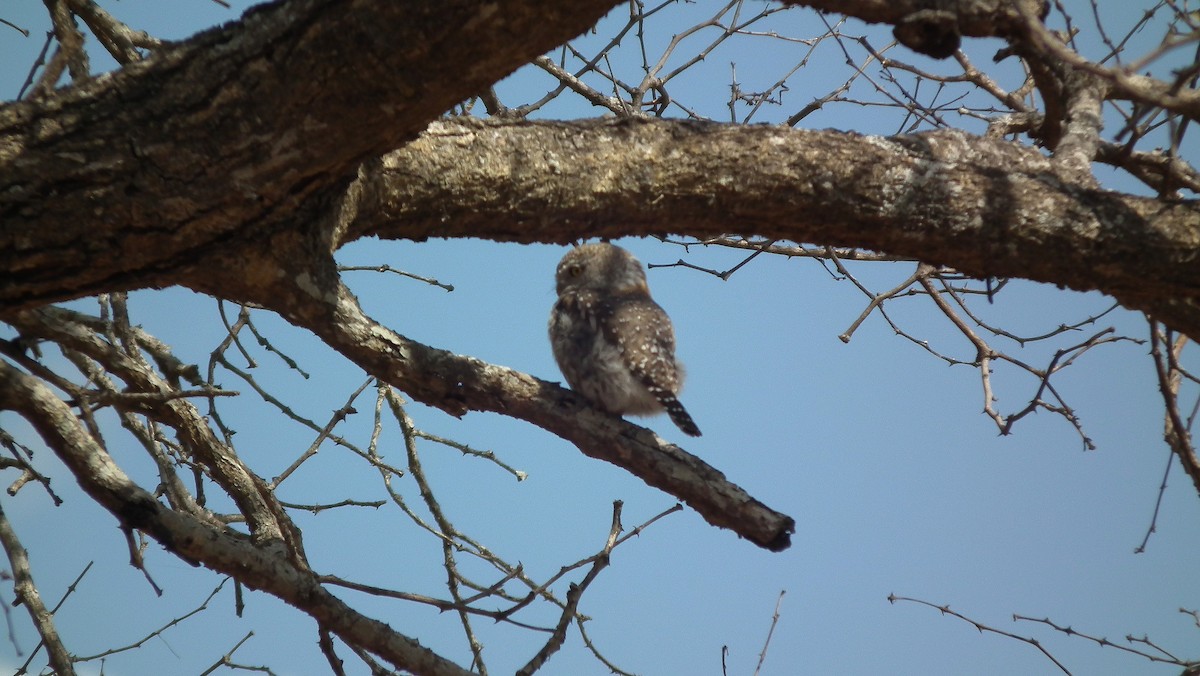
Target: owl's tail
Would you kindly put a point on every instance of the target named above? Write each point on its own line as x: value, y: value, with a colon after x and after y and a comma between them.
x: 680, y: 416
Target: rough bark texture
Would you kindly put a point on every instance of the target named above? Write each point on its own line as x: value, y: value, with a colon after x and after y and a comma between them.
x: 128, y: 180
x: 143, y: 178
x: 975, y: 18
x: 227, y: 163
x: 986, y: 207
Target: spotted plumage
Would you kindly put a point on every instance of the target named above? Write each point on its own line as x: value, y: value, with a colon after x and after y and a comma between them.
x: 613, y: 343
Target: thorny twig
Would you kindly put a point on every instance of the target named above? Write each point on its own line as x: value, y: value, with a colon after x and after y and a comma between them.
x: 1160, y: 655
x: 945, y: 610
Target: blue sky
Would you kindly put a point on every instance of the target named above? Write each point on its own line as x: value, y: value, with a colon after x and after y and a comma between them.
x: 896, y: 480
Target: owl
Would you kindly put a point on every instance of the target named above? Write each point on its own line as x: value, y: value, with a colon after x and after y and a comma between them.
x: 613, y: 343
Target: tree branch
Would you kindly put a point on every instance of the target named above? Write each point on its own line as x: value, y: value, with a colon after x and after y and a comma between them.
x: 195, y: 540
x: 274, y: 155
x: 986, y: 207
x: 458, y: 384
x: 28, y: 596
x: 241, y: 129
x: 933, y: 28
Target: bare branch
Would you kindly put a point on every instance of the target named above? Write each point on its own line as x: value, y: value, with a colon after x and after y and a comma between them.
x: 945, y: 610
x: 159, y: 631
x: 762, y: 656
x: 196, y: 540
x: 1126, y: 82
x: 575, y: 593
x: 1177, y: 433
x: 27, y: 592
x: 1104, y: 642
x: 458, y: 384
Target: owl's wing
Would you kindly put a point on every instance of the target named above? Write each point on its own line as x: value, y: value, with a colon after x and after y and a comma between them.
x: 647, y: 346
x: 642, y: 331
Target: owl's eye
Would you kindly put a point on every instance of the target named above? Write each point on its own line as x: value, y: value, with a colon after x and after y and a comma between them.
x: 574, y: 270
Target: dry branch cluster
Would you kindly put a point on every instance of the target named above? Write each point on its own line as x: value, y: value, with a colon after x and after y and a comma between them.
x: 259, y: 148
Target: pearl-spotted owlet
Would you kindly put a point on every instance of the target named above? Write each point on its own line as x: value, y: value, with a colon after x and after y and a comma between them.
x: 614, y: 344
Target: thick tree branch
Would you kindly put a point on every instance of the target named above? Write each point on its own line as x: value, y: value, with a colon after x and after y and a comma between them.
x: 265, y: 124
x: 240, y: 128
x: 935, y: 28
x: 983, y: 206
x: 975, y: 18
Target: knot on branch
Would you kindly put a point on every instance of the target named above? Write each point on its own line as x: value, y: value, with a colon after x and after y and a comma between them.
x: 933, y: 32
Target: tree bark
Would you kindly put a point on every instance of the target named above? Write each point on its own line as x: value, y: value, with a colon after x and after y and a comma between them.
x: 987, y: 207
x: 143, y: 178
x: 126, y: 180
x: 235, y: 162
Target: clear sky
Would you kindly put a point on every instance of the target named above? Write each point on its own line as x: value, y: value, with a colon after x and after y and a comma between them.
x: 898, y: 483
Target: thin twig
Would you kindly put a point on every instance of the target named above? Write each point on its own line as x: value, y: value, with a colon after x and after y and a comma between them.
x: 762, y: 656
x: 945, y: 610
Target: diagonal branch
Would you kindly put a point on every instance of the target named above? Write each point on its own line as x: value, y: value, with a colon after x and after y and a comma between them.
x: 458, y: 384
x: 28, y: 596
x: 1177, y: 433
x: 306, y: 290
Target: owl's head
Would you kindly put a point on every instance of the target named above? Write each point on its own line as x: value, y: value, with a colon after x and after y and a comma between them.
x: 600, y: 267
